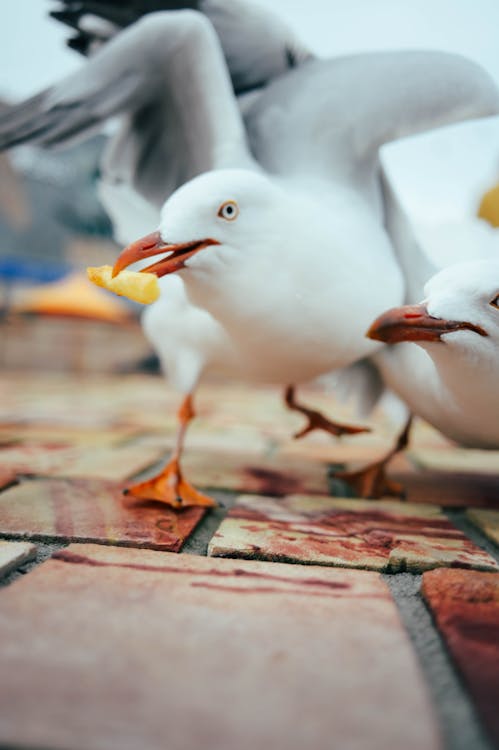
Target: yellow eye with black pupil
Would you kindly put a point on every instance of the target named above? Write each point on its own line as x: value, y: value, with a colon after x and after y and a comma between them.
x: 229, y: 211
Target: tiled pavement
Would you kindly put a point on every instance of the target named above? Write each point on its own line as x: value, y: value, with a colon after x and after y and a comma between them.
x: 107, y: 647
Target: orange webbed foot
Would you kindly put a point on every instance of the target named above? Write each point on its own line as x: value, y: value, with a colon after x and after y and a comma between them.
x: 371, y: 482
x: 317, y: 421
x: 170, y: 487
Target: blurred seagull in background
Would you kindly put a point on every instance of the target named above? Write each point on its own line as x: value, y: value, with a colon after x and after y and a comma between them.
x: 275, y: 213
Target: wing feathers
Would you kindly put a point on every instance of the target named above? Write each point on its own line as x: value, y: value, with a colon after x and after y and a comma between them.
x: 166, y: 74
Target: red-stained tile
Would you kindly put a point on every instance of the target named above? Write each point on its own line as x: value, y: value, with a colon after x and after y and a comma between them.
x: 385, y: 536
x: 450, y: 489
x: 151, y: 650
x: 465, y: 605
x: 14, y: 554
x: 92, y: 510
x: 7, y: 477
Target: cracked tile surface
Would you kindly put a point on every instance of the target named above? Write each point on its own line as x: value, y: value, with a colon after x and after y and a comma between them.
x: 385, y: 536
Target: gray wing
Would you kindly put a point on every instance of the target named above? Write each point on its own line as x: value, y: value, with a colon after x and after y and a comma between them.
x: 414, y: 262
x: 258, y: 46
x: 167, y: 78
x: 334, y: 115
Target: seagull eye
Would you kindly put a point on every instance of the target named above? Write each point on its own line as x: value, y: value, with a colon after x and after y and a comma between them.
x: 495, y: 302
x: 229, y: 211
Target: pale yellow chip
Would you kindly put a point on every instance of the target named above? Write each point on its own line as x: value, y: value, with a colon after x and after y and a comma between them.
x: 140, y: 287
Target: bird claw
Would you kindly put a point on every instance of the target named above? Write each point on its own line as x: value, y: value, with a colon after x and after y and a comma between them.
x: 170, y: 487
x: 371, y: 482
x: 317, y: 421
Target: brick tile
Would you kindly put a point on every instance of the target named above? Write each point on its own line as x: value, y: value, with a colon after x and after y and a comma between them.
x: 385, y: 536
x: 263, y: 406
x: 7, y: 477
x: 92, y: 510
x: 53, y: 433
x: 147, y: 650
x: 241, y: 473
x: 201, y: 436
x: 423, y: 435
x: 104, y: 401
x: 449, y: 489
x: 487, y: 521
x: 61, y: 459
x: 323, y: 447
x: 14, y: 554
x: 465, y: 605
x: 457, y: 459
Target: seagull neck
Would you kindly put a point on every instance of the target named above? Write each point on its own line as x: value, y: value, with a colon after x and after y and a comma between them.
x: 455, y: 393
x: 411, y: 373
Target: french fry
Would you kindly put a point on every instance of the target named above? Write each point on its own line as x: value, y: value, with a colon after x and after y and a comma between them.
x: 140, y: 287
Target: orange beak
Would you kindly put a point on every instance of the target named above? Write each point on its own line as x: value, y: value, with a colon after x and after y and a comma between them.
x: 152, y: 244
x: 414, y: 323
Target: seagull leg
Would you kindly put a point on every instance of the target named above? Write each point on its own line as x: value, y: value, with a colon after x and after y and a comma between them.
x: 372, y: 481
x: 170, y: 486
x: 316, y: 420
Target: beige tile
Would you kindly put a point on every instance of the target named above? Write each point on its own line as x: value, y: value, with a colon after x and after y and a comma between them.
x: 51, y: 433
x: 113, y: 463
x: 14, y: 554
x: 457, y: 459
x: 151, y: 650
x: 487, y: 521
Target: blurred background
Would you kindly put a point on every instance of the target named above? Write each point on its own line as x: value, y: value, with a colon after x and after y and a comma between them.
x: 52, y: 225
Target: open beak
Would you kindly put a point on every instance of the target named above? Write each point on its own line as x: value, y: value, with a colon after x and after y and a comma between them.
x: 414, y: 323
x: 152, y: 244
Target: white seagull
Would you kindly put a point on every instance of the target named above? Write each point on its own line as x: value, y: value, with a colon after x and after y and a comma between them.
x: 279, y: 238
x: 449, y: 375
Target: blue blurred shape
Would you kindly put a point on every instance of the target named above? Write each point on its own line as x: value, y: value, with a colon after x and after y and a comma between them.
x: 14, y: 269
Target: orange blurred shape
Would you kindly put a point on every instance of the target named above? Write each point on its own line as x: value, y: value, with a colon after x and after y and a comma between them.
x: 72, y: 296
x: 489, y: 206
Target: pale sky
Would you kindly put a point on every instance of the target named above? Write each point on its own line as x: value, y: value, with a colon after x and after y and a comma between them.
x: 440, y: 175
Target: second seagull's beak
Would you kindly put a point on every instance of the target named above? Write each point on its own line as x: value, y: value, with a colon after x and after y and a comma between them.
x: 153, y: 244
x: 414, y: 323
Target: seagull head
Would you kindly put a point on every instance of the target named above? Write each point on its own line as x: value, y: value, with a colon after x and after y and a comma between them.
x: 461, y: 310
x: 214, y: 217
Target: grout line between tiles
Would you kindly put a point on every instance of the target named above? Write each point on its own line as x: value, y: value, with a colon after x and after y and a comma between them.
x: 458, y: 721
x: 197, y: 542
x: 44, y: 550
x: 460, y: 520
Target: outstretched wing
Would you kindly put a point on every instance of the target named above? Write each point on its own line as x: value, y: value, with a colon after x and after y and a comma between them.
x: 416, y: 266
x: 167, y: 77
x: 258, y: 46
x: 334, y: 116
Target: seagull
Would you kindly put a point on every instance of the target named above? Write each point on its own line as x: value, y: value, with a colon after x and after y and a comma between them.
x: 444, y: 355
x: 274, y: 220
x: 423, y: 251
